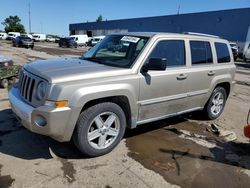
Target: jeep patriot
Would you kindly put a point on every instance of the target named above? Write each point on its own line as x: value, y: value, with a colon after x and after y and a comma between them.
x: 123, y: 81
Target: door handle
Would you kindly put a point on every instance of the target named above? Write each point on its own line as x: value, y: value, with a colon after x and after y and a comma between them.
x: 210, y: 73
x: 182, y: 77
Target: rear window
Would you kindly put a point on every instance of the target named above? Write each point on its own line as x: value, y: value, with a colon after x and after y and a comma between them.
x: 201, y: 52
x: 223, y: 55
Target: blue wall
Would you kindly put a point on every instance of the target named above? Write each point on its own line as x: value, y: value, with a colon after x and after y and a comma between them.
x: 229, y: 24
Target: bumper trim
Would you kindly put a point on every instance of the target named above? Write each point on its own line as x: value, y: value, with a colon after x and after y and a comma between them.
x: 20, y: 108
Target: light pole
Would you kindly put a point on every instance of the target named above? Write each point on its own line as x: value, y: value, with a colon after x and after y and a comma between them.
x: 29, y: 20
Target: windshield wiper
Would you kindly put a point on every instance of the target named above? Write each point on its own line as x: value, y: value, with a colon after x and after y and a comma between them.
x: 94, y: 59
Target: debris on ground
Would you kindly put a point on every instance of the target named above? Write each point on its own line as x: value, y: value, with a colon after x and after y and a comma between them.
x: 198, y: 139
x: 228, y: 136
x: 165, y: 166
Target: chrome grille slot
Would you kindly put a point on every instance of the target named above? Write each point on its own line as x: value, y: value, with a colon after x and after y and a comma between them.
x: 27, y: 87
x: 23, y: 85
x: 31, y: 89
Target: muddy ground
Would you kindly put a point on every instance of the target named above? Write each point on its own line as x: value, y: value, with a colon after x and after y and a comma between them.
x: 182, y: 151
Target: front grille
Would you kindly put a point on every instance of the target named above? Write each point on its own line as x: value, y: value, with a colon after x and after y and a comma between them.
x: 27, y: 88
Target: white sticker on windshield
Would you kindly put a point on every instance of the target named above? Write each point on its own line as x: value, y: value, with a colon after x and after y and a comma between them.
x: 130, y: 39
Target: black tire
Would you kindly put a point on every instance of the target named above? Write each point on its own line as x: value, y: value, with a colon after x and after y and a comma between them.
x: 4, y: 83
x: 208, y: 108
x: 85, y: 121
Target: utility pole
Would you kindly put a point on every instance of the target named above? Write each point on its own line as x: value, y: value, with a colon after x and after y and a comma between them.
x: 178, y: 12
x: 29, y: 20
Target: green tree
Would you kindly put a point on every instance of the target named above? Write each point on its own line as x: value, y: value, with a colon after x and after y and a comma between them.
x: 13, y: 24
x: 99, y: 18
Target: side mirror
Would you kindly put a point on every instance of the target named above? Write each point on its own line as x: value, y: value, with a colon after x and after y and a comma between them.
x: 158, y: 64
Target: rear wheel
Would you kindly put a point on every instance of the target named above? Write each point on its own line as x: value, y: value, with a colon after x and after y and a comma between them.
x: 99, y: 129
x: 4, y: 83
x: 216, y: 103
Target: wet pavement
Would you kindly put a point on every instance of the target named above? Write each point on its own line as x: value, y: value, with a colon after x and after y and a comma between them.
x: 186, y: 154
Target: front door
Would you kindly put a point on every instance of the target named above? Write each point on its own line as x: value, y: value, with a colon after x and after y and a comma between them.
x: 164, y: 93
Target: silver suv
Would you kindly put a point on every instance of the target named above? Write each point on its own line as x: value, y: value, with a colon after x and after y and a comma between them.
x: 123, y: 81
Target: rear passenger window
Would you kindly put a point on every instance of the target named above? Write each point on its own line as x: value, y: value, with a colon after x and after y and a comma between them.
x: 222, y: 52
x: 172, y: 50
x: 201, y: 52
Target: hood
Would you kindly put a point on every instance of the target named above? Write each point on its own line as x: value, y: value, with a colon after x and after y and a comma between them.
x: 72, y: 69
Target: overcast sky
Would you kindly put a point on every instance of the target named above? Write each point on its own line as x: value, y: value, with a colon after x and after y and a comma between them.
x: 54, y: 16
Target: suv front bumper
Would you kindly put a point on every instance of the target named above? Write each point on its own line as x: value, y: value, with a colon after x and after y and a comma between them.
x: 57, y: 119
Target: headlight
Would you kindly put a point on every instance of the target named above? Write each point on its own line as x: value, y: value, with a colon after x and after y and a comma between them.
x: 41, y: 90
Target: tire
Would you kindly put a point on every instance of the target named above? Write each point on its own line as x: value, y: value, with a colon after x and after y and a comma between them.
x: 4, y: 83
x: 101, y: 142
x: 216, y: 103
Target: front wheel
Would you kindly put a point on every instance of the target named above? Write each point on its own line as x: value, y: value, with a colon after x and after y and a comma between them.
x: 216, y: 103
x: 99, y: 129
x: 4, y: 83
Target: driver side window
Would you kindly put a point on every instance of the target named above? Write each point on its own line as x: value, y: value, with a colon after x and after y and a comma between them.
x: 171, y: 50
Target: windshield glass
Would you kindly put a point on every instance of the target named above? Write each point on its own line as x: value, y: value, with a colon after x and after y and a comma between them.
x: 117, y: 50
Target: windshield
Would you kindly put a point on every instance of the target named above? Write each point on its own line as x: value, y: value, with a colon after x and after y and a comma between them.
x: 117, y: 50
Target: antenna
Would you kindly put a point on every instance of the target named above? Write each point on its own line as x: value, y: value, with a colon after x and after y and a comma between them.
x: 29, y: 20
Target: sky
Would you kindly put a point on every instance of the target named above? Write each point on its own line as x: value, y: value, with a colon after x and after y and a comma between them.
x: 54, y: 16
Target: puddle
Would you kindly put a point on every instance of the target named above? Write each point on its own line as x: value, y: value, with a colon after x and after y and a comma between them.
x: 5, y: 181
x: 68, y: 170
x: 186, y: 154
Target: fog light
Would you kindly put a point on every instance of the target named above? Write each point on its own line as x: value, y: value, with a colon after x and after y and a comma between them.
x: 40, y: 121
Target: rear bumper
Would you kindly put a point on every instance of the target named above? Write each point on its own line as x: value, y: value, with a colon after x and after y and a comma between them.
x: 57, y: 119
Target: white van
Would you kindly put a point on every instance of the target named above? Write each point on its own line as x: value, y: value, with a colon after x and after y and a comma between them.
x: 13, y: 35
x: 3, y: 36
x: 81, y: 40
x: 39, y: 37
x: 96, y: 39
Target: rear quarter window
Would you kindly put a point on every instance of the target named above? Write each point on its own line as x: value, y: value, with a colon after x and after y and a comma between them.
x: 201, y: 52
x: 223, y: 55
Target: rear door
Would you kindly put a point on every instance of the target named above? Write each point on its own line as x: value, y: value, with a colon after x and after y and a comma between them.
x: 201, y: 72
x: 164, y: 93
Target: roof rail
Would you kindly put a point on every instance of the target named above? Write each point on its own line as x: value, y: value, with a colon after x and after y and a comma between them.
x: 201, y: 34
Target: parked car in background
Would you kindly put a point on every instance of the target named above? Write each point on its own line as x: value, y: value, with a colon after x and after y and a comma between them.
x: 57, y: 39
x: 50, y: 39
x: 23, y: 41
x: 67, y: 42
x: 13, y: 35
x: 27, y: 35
x: 89, y: 41
x: 246, y: 55
x: 3, y: 36
x: 235, y: 49
x: 96, y: 39
x: 39, y: 37
x: 81, y: 40
x: 94, y: 98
